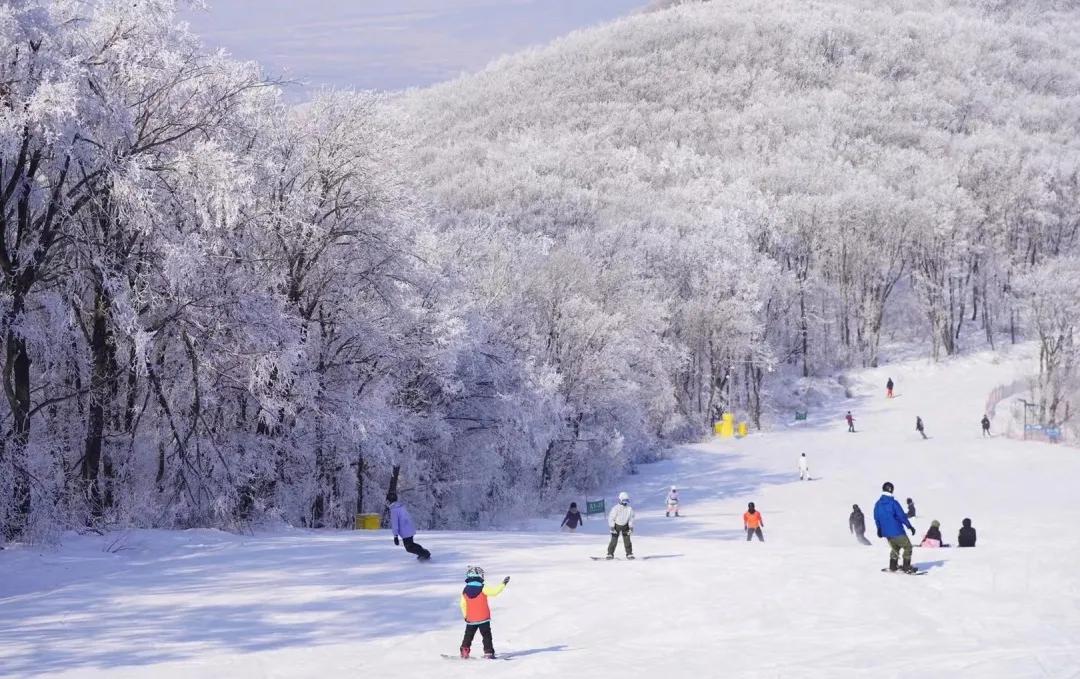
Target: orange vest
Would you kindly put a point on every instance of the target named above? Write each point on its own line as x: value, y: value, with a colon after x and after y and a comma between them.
x: 752, y: 520
x: 476, y: 608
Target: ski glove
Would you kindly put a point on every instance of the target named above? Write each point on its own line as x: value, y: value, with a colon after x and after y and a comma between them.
x: 913, y: 531
x: 506, y: 580
x: 396, y: 541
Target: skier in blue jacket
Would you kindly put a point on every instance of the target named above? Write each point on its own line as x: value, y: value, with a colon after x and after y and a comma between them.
x: 891, y: 521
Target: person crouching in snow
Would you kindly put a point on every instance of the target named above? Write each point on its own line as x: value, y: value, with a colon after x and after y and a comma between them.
x: 477, y: 612
x: 966, y: 537
x: 891, y: 520
x: 402, y: 526
x: 753, y: 523
x: 933, y: 536
x: 621, y: 522
x: 804, y: 468
x: 672, y: 502
x: 573, y: 518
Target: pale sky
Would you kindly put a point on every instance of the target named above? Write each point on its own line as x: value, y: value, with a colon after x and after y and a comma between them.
x: 390, y: 44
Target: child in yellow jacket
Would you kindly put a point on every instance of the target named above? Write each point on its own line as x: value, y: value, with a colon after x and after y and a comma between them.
x: 475, y: 610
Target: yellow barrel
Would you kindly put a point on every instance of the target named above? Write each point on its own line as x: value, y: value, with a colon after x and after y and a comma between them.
x: 727, y: 426
x: 717, y: 427
x: 367, y: 521
x: 743, y: 429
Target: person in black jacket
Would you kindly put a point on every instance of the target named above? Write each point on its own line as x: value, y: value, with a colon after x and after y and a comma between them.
x: 910, y: 509
x: 986, y: 425
x: 573, y: 518
x: 888, y: 388
x: 967, y: 535
x: 857, y: 524
x: 919, y: 426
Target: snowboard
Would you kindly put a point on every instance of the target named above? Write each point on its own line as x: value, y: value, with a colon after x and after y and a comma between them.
x: 620, y: 558
x: 886, y: 570
x: 447, y: 656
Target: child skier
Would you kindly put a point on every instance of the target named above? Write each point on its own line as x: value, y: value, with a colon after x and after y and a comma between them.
x: 402, y: 525
x: 966, y: 538
x: 573, y: 518
x: 672, y: 502
x: 857, y: 524
x: 753, y: 523
x: 804, y: 468
x: 891, y: 521
x: 621, y: 522
x: 475, y: 610
x: 933, y: 536
x: 888, y: 388
x: 919, y: 426
x: 910, y: 508
x: 850, y: 422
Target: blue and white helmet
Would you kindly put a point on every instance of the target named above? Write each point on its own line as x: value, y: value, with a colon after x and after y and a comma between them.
x: 474, y: 572
x: 624, y: 496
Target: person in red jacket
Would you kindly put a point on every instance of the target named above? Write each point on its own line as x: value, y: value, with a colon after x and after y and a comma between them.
x: 753, y: 523
x: 476, y: 611
x: 850, y: 422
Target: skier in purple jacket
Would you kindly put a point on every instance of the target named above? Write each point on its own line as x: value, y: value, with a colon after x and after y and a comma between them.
x: 402, y: 526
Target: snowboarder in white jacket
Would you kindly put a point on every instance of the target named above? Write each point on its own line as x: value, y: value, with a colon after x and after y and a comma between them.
x: 672, y: 502
x: 804, y: 468
x: 621, y: 522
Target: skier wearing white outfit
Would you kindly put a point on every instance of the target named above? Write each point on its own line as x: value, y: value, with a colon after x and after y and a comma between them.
x: 672, y: 502
x: 804, y: 468
x: 621, y: 522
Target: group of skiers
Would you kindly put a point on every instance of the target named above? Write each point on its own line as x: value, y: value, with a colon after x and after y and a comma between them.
x: 891, y: 520
x: 919, y: 425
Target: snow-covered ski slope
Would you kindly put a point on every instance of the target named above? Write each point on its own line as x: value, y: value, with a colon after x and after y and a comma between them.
x: 809, y: 602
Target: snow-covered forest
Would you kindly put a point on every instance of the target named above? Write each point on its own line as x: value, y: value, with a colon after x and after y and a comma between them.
x: 219, y: 308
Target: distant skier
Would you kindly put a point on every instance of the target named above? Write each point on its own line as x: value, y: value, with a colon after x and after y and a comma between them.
x: 888, y: 388
x: 672, y: 502
x: 804, y: 468
x: 850, y: 422
x: 891, y: 520
x: 753, y: 523
x: 477, y: 612
x: 966, y: 538
x: 857, y: 525
x: 933, y: 536
x: 402, y: 525
x: 919, y: 426
x: 910, y: 509
x: 621, y: 522
x: 985, y: 425
x: 573, y: 518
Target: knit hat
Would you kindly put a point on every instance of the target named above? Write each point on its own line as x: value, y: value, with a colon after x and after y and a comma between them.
x: 935, y: 524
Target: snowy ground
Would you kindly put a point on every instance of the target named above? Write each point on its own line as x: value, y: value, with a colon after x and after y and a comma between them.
x: 809, y: 602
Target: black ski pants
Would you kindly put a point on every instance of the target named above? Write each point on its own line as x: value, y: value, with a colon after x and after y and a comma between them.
x: 412, y: 548
x: 485, y: 632
x: 615, y: 533
x: 861, y: 536
x: 751, y: 532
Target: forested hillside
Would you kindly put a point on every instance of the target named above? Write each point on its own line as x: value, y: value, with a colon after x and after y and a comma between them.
x: 220, y: 309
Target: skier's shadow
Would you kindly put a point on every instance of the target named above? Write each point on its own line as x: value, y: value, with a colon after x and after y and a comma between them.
x: 533, y: 651
x: 927, y: 565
